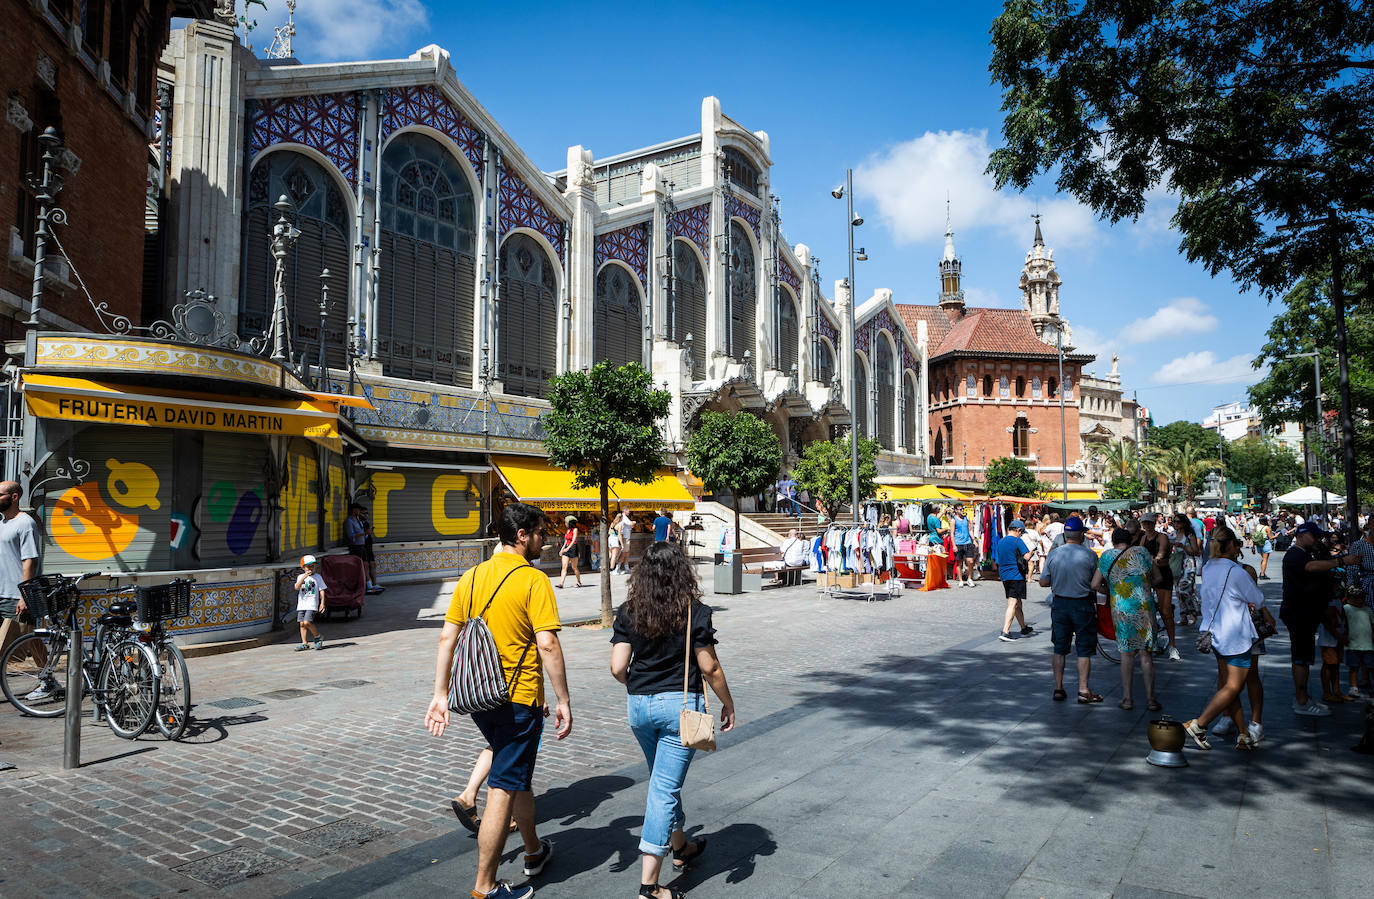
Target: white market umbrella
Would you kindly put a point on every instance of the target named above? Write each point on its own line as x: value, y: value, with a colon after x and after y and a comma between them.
x: 1309, y: 496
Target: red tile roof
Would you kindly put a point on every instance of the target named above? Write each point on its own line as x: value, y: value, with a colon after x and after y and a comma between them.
x: 983, y: 331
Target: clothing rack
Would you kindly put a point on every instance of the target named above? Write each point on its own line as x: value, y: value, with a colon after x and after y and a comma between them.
x: 862, y: 549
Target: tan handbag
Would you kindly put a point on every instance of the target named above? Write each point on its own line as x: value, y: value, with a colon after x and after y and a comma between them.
x: 696, y: 729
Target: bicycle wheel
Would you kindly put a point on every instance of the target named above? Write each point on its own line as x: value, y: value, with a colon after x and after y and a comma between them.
x: 174, y: 694
x: 128, y: 688
x: 35, y: 669
x: 1112, y: 655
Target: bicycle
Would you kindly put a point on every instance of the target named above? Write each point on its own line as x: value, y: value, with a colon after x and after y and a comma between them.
x: 157, y: 605
x: 120, y: 673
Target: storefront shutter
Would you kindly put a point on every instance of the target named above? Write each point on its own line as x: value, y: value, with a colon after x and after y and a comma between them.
x: 300, y: 517
x: 405, y: 506
x: 233, y: 509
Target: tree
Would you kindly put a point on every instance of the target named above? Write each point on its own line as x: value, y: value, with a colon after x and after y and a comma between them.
x: 1123, y: 487
x: 1254, y: 113
x: 1185, y: 465
x: 1177, y: 433
x: 825, y: 469
x: 1122, y: 459
x: 1265, y: 469
x: 734, y: 451
x: 1007, y: 476
x: 603, y: 426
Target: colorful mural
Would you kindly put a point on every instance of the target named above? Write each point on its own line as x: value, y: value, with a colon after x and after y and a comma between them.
x: 423, y: 504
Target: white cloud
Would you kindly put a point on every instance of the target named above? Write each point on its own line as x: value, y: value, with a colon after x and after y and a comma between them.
x: 981, y: 296
x: 1182, y: 316
x: 909, y: 182
x: 357, y: 29
x: 1203, y: 366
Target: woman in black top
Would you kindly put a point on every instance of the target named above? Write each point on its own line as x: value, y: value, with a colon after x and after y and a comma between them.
x: 647, y: 656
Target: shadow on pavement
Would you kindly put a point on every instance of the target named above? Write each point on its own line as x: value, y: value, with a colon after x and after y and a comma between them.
x: 213, y: 730
x: 734, y: 850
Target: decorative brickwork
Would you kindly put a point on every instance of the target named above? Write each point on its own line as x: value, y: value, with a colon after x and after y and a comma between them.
x: 695, y: 225
x: 520, y: 208
x: 629, y: 245
x: 324, y: 122
x: 425, y: 105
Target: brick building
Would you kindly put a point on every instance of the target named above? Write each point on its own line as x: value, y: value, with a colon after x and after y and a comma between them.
x: 85, y: 68
x: 994, y: 380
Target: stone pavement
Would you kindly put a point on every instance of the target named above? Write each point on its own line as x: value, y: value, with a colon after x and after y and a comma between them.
x: 886, y: 748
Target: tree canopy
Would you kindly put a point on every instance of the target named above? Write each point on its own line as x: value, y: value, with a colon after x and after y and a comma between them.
x: 1007, y: 476
x: 734, y: 451
x: 1177, y: 433
x: 1265, y: 468
x: 603, y: 426
x: 1123, y: 487
x: 1252, y: 113
x: 825, y: 469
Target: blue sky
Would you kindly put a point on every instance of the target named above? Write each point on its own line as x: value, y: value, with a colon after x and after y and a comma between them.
x: 899, y: 92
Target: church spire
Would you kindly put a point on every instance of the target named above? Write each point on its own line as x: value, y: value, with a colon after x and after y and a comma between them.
x: 1040, y: 284
x: 951, y: 274
x: 1039, y: 238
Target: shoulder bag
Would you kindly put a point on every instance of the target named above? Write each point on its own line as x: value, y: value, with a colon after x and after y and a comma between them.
x: 696, y: 729
x: 1204, y: 637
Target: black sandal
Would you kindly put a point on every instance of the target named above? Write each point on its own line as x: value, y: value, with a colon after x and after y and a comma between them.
x: 466, y: 816
x: 650, y: 891
x: 682, y: 858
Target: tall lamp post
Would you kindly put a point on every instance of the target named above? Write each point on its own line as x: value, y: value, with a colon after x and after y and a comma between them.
x: 284, y: 234
x: 1317, y: 363
x: 46, y: 186
x: 1063, y: 432
x: 853, y: 221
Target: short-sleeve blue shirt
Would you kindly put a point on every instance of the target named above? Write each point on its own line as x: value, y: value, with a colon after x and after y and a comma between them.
x: 1009, y: 549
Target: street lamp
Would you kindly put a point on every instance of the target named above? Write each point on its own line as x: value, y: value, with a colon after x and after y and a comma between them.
x: 1058, y: 332
x: 1321, y: 474
x: 45, y: 187
x: 853, y: 221
x: 284, y: 234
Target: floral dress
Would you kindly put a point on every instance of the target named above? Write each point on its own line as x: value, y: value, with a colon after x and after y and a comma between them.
x: 1130, y: 596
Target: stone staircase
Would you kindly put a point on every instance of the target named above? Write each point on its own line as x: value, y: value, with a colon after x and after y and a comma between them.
x: 779, y: 524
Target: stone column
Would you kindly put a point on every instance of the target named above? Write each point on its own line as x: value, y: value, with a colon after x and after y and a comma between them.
x: 581, y: 196
x: 845, y: 351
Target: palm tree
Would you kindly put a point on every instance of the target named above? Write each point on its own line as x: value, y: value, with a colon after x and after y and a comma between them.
x: 1186, y: 465
x: 1120, y: 457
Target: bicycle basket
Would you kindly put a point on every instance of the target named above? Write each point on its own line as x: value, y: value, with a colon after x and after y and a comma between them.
x: 164, y: 602
x: 48, y: 595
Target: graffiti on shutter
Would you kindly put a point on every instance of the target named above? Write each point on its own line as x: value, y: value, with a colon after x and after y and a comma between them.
x: 422, y: 504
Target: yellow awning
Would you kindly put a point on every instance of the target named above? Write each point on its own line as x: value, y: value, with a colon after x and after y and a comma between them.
x: 1075, y: 494
x: 535, y: 481
x: 910, y: 491
x: 79, y: 399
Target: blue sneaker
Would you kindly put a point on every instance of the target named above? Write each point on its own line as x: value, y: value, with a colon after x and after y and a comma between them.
x: 505, y: 891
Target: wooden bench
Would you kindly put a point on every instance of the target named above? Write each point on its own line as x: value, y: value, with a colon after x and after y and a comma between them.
x: 768, y: 560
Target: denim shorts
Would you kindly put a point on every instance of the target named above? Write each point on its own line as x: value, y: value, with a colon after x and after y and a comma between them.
x: 512, y: 731
x: 1359, y: 658
x: 1073, y: 621
x: 1240, y: 660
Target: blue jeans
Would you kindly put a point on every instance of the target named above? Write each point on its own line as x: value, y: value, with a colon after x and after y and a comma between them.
x: 655, y: 720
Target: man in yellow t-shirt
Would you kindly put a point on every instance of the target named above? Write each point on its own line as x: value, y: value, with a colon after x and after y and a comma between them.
x: 523, y: 619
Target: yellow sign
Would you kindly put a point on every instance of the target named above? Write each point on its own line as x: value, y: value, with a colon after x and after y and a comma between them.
x: 93, y: 401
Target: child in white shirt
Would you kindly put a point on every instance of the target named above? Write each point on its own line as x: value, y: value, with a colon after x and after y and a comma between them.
x: 309, y: 600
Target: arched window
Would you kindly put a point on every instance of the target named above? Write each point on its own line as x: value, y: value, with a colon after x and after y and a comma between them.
x: 687, y: 305
x: 1054, y: 387
x: 527, y: 318
x: 938, y: 456
x: 860, y: 410
x: 322, y: 217
x: 428, y: 266
x: 787, y: 331
x: 743, y: 277
x: 987, y: 385
x: 741, y: 171
x: 971, y: 386
x: 886, y: 377
x: 909, y: 413
x: 1068, y: 388
x: 1020, y: 438
x: 1020, y: 387
x: 825, y: 366
x: 617, y: 331
x: 1035, y: 388
x: 1004, y: 388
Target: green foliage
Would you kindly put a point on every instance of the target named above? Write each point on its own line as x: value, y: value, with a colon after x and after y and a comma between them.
x: 1122, y: 459
x: 603, y: 426
x: 1254, y: 113
x: 734, y: 451
x: 1186, y: 465
x: 1007, y: 476
x: 825, y: 469
x: 1265, y: 468
x: 1123, y: 487
x: 1176, y: 434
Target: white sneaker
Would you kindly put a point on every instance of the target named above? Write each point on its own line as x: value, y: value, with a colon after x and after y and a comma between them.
x: 1223, y: 727
x: 43, y: 691
x: 1354, y: 693
x: 1173, y: 654
x: 1312, y: 710
x: 1256, y: 732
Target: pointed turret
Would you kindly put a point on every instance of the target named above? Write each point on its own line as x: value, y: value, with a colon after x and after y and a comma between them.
x: 1040, y: 283
x: 951, y: 275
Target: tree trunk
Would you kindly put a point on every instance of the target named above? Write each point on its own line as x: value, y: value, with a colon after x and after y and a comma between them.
x: 604, y: 530
x: 735, y: 493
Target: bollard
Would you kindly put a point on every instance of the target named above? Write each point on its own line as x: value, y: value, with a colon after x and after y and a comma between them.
x: 71, y: 731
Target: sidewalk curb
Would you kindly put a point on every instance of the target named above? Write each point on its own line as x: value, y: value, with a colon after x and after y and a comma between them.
x: 200, y: 650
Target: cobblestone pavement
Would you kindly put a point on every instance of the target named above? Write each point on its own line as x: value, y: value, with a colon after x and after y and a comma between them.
x: 893, y: 746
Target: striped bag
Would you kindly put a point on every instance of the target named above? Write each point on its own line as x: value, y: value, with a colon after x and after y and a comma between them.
x: 477, y: 682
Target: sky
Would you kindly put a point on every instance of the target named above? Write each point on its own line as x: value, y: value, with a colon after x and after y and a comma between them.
x: 900, y: 93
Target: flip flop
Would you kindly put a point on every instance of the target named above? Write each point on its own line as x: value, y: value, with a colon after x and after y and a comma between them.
x: 1125, y: 705
x: 1060, y: 695
x: 1154, y: 705
x: 466, y: 816
x: 1088, y: 698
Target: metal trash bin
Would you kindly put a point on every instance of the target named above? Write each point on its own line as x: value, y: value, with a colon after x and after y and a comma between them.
x: 729, y: 573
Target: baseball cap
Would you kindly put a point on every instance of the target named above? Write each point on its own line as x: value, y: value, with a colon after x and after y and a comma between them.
x: 1074, y: 523
x: 1309, y: 527
x: 1151, y: 517
x: 1017, y: 525
x: 308, y: 560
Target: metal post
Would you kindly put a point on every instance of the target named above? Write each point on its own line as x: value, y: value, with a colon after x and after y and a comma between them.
x: 1352, y: 508
x: 284, y: 234
x: 1135, y: 430
x: 854, y: 340
x: 71, y: 727
x: 324, y: 316
x: 45, y: 187
x: 1321, y: 469
x: 1063, y: 433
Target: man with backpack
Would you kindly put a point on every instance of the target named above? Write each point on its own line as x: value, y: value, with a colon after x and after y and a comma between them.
x: 502, y: 609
